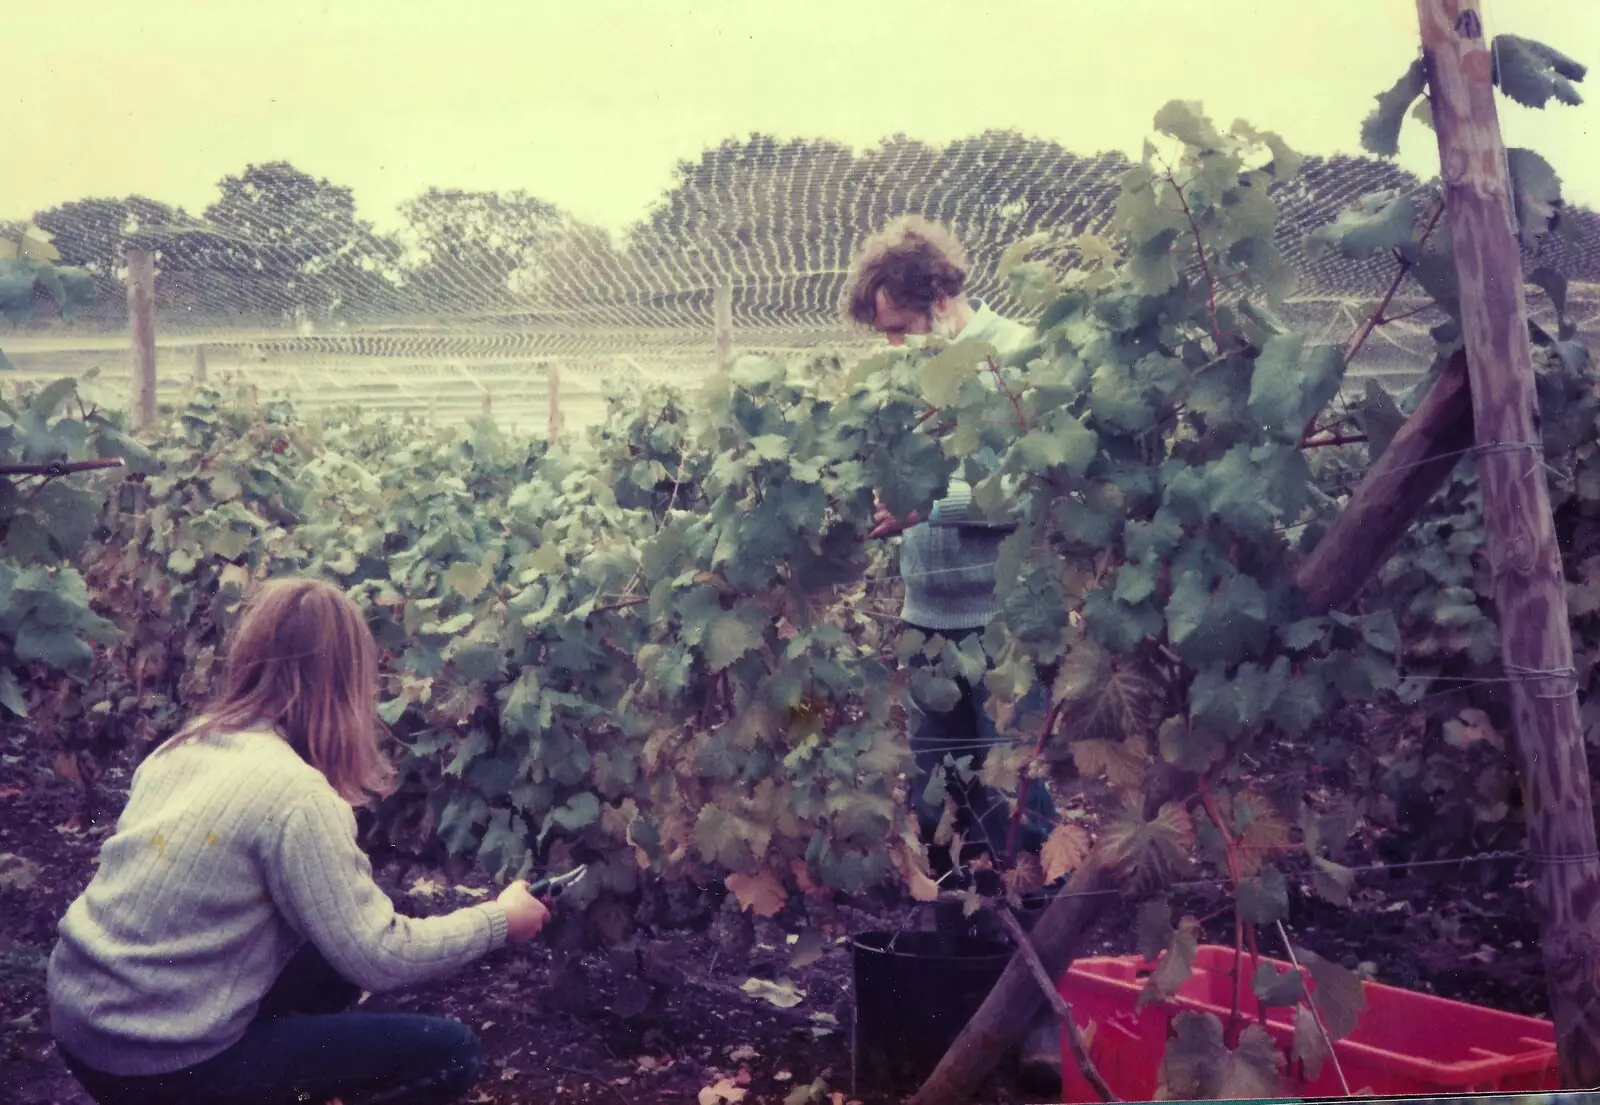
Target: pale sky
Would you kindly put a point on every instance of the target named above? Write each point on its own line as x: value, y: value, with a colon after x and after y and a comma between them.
x: 589, y: 103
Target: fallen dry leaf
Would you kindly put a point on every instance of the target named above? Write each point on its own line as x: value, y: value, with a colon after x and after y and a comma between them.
x: 723, y: 1091
x: 785, y: 995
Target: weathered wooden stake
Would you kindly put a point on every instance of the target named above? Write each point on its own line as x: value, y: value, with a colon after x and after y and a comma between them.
x: 722, y: 320
x: 199, y: 364
x: 552, y: 375
x: 1529, y: 589
x: 488, y: 403
x: 142, y: 314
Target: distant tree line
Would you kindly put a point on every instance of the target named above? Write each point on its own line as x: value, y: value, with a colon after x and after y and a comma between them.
x: 777, y: 219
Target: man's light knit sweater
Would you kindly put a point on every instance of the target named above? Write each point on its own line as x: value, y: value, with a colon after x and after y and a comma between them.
x: 231, y: 853
x: 949, y: 571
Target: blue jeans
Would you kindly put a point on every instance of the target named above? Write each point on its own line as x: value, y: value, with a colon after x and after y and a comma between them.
x: 983, y: 817
x: 302, y: 1049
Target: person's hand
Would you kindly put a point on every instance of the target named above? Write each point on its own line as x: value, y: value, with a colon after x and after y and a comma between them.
x: 885, y: 524
x: 525, y: 914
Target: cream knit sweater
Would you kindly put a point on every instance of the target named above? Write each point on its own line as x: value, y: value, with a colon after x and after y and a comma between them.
x: 231, y: 853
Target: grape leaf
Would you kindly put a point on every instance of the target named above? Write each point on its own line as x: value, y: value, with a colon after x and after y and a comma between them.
x: 581, y: 811
x: 756, y: 373
x: 1186, y: 121
x: 1340, y: 995
x: 727, y: 638
x: 1255, y: 1069
x: 1123, y: 763
x: 934, y: 692
x: 1155, y: 852
x: 1189, y: 749
x: 1375, y: 223
x: 1272, y: 988
x: 1064, y: 442
x: 1532, y: 73
x: 1380, y: 131
x: 1263, y: 900
x: 11, y: 696
x: 1380, y: 419
x: 760, y: 893
x: 1118, y: 626
x: 943, y: 375
x: 1025, y: 877
x: 468, y: 579
x: 1064, y: 850
x: 770, y: 446
x: 52, y: 395
x: 1122, y: 700
x: 1536, y: 190
x: 1135, y: 582
x: 1154, y: 930
x: 1175, y: 968
x: 1287, y: 388
x: 54, y: 645
x: 1310, y: 1046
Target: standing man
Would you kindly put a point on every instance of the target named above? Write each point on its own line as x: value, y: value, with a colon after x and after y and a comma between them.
x: 910, y: 279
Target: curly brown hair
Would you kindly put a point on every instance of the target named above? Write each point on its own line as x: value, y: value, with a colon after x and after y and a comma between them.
x: 916, y: 261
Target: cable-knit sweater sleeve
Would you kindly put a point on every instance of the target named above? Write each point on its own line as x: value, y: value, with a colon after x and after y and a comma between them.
x: 321, y: 881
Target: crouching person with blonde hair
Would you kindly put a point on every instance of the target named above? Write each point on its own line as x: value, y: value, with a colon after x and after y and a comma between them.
x: 233, y: 917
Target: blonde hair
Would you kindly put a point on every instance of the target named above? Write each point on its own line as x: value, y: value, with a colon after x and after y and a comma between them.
x: 303, y: 660
x: 916, y: 261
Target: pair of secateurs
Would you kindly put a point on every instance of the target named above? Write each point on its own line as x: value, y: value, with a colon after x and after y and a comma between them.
x: 551, y: 886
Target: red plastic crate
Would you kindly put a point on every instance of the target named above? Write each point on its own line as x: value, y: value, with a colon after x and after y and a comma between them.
x: 1405, y: 1042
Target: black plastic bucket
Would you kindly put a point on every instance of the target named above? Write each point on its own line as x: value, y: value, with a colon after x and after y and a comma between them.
x: 914, y: 993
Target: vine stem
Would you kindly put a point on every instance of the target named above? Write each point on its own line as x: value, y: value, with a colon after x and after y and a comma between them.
x: 621, y: 604
x: 61, y: 468
x: 1200, y: 251
x: 1063, y: 1011
x: 1377, y: 318
x: 1023, y: 782
x: 1359, y: 340
x: 1016, y: 404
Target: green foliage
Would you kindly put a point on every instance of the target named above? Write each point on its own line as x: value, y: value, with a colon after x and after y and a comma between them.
x: 1380, y: 131
x: 28, y: 271
x: 48, y: 626
x: 1532, y: 73
x: 655, y: 651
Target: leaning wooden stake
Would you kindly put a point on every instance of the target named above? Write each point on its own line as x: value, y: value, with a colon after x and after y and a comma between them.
x: 1529, y: 590
x: 1402, y: 481
x: 1431, y: 443
x: 142, y: 314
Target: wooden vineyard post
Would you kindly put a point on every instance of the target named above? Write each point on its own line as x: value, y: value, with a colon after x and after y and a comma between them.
x: 722, y: 321
x: 552, y: 376
x: 1529, y: 590
x: 488, y: 403
x: 142, y: 315
x: 199, y: 364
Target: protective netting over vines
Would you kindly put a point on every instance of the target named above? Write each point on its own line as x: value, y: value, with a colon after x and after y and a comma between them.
x: 478, y: 294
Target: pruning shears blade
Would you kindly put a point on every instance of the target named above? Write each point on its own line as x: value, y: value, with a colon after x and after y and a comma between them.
x: 555, y: 884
